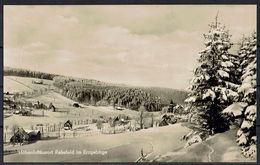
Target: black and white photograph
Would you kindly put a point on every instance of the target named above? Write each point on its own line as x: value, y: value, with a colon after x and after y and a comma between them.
x: 129, y: 83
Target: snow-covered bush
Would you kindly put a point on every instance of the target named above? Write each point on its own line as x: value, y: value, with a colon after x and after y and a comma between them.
x: 193, y: 140
x: 195, y: 137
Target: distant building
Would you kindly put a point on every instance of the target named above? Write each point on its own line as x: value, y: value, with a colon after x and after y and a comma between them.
x: 37, y: 81
x: 68, y: 125
x: 51, y: 106
x: 76, y: 105
x: 8, y: 101
x: 119, y: 120
x: 21, y: 136
x: 119, y: 108
x: 171, y: 107
x: 166, y: 120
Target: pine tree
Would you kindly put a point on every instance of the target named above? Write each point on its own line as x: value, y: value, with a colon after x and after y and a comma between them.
x: 247, y: 90
x: 214, y: 86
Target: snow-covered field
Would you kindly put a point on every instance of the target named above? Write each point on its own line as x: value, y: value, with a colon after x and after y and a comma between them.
x: 63, y: 105
x: 23, y: 84
x: 119, y: 147
x: 56, y: 117
x: 163, y: 144
x: 124, y: 147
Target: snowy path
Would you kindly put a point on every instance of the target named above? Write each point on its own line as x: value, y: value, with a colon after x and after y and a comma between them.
x: 210, y: 153
x: 219, y: 148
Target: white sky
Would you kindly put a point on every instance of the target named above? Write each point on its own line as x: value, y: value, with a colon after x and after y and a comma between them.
x: 136, y: 45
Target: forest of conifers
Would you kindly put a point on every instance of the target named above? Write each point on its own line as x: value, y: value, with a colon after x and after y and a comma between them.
x: 95, y: 92
x: 8, y: 71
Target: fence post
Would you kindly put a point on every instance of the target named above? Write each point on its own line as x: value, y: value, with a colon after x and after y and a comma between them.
x: 59, y: 131
x: 64, y: 134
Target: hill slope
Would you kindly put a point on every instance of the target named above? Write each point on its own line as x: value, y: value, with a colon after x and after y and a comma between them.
x: 96, y: 92
x: 15, y: 84
x: 131, y: 97
x: 221, y: 147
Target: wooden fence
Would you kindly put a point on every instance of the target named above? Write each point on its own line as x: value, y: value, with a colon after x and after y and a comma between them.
x: 81, y: 127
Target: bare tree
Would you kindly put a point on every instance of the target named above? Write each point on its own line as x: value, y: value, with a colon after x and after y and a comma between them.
x: 6, y: 128
x: 141, y: 116
x: 14, y: 129
x: 99, y: 124
x: 152, y: 119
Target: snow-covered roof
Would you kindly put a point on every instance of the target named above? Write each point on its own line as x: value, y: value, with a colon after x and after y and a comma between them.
x: 29, y: 130
x: 236, y: 108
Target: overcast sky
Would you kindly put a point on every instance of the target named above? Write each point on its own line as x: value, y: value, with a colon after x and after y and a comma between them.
x: 137, y: 45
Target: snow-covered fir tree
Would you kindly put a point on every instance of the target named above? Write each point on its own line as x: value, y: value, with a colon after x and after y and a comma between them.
x: 247, y: 91
x: 215, y: 81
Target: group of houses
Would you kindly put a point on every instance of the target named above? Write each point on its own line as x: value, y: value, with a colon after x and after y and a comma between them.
x: 23, y: 136
x: 118, y: 120
x: 22, y: 107
x: 167, y: 119
x: 175, y: 108
x: 8, y: 101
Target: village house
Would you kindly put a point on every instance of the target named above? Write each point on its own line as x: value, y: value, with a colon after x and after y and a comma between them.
x: 68, y: 125
x: 25, y: 136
